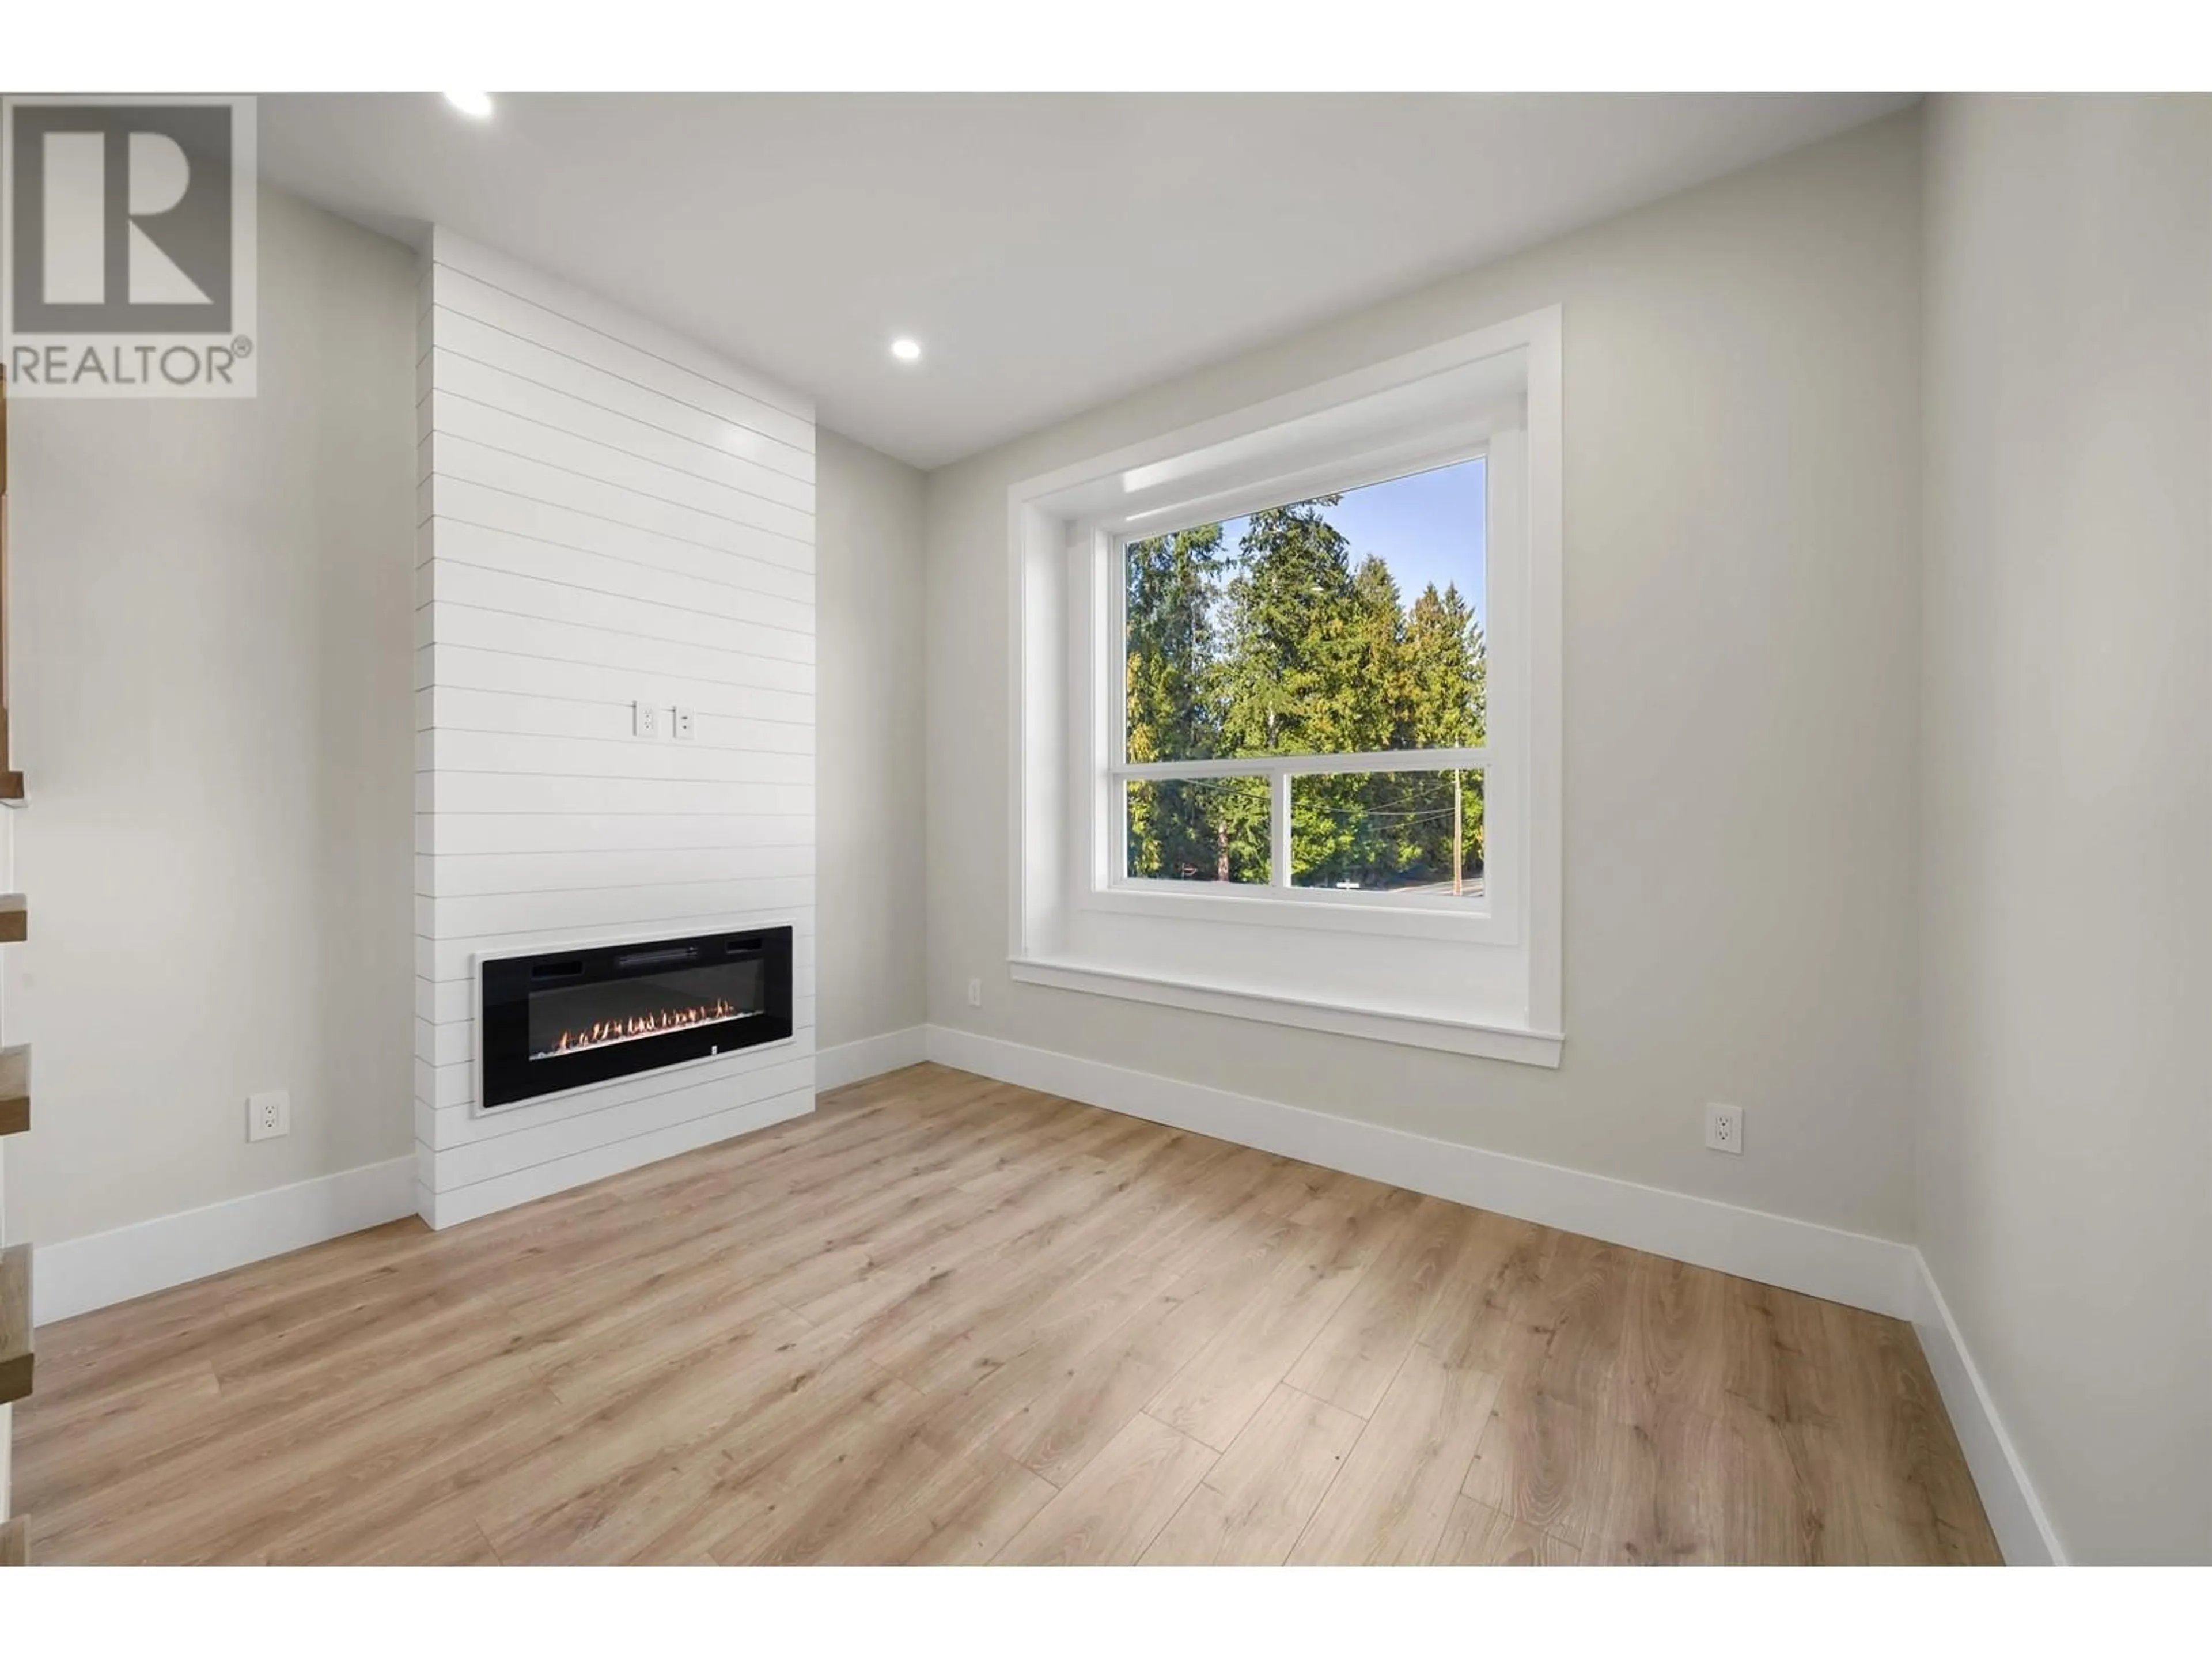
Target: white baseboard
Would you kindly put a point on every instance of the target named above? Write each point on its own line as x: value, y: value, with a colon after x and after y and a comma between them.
x: 80, y: 1274
x: 851, y: 1063
x: 1863, y: 1272
x: 2023, y: 1530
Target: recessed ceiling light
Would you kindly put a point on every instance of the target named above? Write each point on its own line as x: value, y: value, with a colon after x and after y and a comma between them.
x: 907, y: 351
x: 476, y: 104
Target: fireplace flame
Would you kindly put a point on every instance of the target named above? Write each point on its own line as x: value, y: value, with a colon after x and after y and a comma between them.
x: 643, y: 1025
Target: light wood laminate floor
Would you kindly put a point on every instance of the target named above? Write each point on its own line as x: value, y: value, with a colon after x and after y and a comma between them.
x: 946, y: 1320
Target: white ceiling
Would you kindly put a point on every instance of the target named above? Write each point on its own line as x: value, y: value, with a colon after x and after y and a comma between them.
x: 1049, y: 252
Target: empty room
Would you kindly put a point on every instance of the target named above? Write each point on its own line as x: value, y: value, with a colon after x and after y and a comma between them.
x: 1286, y: 828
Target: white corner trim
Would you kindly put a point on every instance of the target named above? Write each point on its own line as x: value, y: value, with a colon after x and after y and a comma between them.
x: 1877, y: 1274
x: 80, y: 1274
x: 867, y: 1057
x: 1528, y: 1048
x: 2016, y: 1515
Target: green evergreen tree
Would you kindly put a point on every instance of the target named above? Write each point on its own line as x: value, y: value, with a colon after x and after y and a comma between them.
x: 1289, y: 683
x: 1341, y: 822
x: 1173, y: 583
x: 1290, y: 606
x: 1449, y: 670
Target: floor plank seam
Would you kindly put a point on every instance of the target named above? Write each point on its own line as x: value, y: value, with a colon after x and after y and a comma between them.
x: 1320, y: 1505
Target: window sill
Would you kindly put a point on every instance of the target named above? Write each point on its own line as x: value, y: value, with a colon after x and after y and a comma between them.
x: 1493, y: 1040
x: 1317, y: 910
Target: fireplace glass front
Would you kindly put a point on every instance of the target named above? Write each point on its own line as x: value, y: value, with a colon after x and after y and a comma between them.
x: 564, y: 1019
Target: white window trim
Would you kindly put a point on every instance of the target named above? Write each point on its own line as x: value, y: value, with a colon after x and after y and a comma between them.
x: 1066, y: 529
x: 1501, y: 1042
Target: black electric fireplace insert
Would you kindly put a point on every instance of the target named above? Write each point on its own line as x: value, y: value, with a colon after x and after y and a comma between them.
x: 564, y: 1019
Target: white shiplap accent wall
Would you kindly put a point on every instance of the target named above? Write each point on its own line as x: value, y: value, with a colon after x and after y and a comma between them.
x: 609, y: 514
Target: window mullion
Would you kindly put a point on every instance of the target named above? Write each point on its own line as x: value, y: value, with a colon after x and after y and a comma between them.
x: 1279, y: 828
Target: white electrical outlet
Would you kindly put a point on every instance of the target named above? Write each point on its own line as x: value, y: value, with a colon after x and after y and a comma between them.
x: 1724, y: 1127
x: 646, y: 719
x: 680, y: 725
x: 268, y: 1116
x: 974, y: 994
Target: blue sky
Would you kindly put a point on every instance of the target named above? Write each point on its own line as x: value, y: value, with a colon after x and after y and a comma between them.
x: 1429, y: 527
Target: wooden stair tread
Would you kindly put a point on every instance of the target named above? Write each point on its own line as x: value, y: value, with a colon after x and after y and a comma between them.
x: 15, y: 1089
x: 15, y: 918
x: 15, y: 1322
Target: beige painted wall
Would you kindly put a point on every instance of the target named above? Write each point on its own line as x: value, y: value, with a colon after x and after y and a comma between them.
x: 1743, y: 596
x: 212, y: 701
x: 2065, y: 1147
x: 868, y: 734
